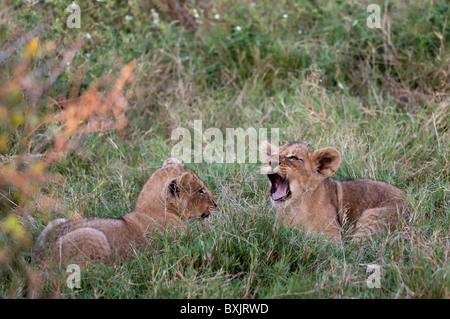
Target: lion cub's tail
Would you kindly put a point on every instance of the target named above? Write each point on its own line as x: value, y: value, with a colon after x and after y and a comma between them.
x: 44, y: 240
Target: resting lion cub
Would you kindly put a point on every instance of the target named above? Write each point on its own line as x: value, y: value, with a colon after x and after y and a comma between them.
x: 172, y: 195
x: 305, y: 195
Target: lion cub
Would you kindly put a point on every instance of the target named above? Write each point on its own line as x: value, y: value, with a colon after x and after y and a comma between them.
x: 305, y: 195
x: 172, y: 195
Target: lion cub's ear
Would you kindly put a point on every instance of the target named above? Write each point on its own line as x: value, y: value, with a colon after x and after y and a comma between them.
x: 181, y: 182
x: 326, y: 161
x: 266, y: 150
x: 171, y: 161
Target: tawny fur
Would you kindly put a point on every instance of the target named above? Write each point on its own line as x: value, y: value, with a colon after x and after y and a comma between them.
x: 172, y: 195
x: 320, y: 204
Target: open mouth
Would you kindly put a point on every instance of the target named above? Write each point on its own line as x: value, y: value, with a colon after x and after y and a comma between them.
x: 205, y: 216
x: 280, y: 190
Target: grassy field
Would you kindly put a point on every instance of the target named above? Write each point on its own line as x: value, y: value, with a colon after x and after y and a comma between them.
x: 313, y: 69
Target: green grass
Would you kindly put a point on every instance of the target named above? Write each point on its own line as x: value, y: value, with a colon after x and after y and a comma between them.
x: 333, y: 85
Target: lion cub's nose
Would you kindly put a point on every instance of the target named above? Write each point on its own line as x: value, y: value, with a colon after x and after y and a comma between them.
x: 273, y: 164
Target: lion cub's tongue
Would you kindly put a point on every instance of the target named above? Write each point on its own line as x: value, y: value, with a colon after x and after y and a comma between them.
x: 281, y: 191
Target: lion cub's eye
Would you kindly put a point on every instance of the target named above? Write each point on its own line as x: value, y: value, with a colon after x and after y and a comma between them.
x: 295, y: 158
x: 201, y: 191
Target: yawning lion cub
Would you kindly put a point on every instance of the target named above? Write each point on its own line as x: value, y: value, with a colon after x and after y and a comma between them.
x: 305, y: 195
x: 172, y: 195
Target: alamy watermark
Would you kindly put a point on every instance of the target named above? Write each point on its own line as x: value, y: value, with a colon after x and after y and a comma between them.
x: 373, y: 20
x: 74, y: 279
x: 213, y: 146
x: 374, y: 279
x: 74, y: 19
